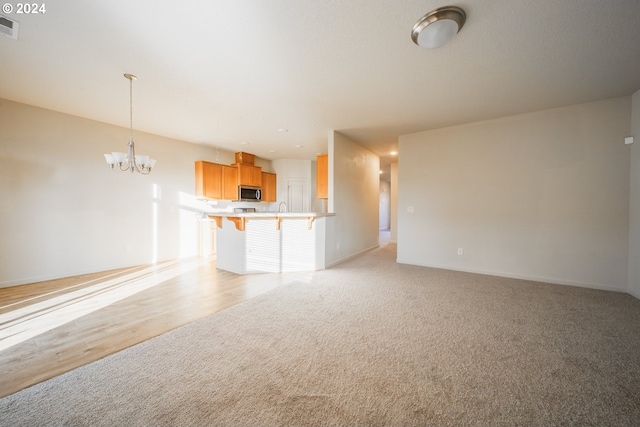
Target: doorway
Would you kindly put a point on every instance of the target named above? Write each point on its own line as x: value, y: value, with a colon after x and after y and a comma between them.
x: 297, y: 195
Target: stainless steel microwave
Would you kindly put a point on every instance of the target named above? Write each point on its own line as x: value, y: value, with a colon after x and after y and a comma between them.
x: 249, y: 194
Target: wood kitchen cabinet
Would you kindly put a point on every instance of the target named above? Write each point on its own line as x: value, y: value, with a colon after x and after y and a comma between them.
x: 322, y: 177
x: 215, y: 181
x: 268, y: 187
x: 220, y: 182
x: 249, y: 175
x: 208, y: 180
x: 229, y: 183
x: 245, y: 158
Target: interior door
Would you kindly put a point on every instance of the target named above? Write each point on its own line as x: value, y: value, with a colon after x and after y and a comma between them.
x: 298, y: 195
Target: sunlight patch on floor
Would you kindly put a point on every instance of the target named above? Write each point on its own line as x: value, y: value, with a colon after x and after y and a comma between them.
x: 27, y: 322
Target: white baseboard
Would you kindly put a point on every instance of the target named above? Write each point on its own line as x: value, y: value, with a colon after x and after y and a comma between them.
x: 526, y: 277
x: 633, y: 293
x: 341, y: 260
x: 97, y: 269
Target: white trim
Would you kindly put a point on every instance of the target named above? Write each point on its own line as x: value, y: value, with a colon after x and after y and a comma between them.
x: 525, y: 277
x: 96, y: 270
x: 341, y: 260
x: 47, y: 277
x: 633, y: 293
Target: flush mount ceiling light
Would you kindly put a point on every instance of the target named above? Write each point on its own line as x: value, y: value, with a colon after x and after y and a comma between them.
x: 129, y: 160
x: 437, y: 27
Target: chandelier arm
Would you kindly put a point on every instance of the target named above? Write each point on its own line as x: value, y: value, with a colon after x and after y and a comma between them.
x: 126, y: 163
x: 133, y: 163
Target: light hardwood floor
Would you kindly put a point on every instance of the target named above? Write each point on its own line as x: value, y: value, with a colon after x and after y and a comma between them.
x: 52, y: 327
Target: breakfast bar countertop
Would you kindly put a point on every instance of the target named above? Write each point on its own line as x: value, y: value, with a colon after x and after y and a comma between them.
x: 271, y: 214
x: 240, y: 218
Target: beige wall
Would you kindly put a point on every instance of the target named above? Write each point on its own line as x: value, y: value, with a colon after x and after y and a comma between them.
x: 354, y: 179
x: 384, y: 206
x: 543, y: 196
x: 634, y: 210
x: 394, y: 203
x: 297, y: 170
x: 63, y: 211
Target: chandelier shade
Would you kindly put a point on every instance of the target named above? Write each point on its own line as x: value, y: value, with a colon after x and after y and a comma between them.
x: 130, y: 161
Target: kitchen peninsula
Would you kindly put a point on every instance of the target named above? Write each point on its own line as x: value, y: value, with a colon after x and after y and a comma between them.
x: 268, y: 242
x: 258, y: 242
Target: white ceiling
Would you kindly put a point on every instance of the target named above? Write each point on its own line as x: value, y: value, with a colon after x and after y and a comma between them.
x: 230, y: 71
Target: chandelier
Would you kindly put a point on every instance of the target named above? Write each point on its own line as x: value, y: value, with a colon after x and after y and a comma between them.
x: 130, y: 160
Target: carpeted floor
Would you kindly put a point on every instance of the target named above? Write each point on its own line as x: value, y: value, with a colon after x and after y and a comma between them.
x: 370, y: 342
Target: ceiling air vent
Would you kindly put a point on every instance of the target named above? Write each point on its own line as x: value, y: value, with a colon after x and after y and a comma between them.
x: 9, y: 27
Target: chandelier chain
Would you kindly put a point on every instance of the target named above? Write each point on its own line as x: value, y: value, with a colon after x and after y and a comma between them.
x: 130, y: 109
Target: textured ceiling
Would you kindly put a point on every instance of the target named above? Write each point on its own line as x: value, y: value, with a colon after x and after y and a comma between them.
x: 232, y: 71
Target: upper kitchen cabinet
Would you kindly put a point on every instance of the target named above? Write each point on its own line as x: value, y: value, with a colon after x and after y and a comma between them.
x: 245, y: 158
x: 215, y: 181
x: 268, y: 187
x: 229, y: 183
x: 220, y: 182
x: 249, y: 175
x: 322, y: 177
x: 208, y: 180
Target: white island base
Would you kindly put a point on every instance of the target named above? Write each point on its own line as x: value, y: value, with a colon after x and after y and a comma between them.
x: 270, y: 243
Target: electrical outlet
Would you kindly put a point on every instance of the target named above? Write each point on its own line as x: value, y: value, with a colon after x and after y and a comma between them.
x: 460, y: 251
x: 410, y: 209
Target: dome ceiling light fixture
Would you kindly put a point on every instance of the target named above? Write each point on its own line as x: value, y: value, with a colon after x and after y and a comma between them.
x: 437, y: 27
